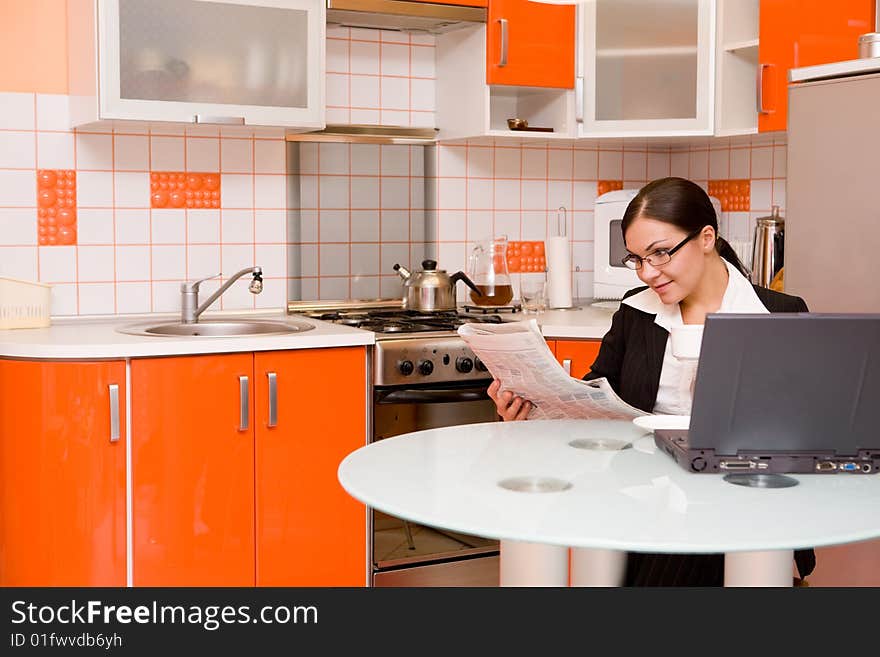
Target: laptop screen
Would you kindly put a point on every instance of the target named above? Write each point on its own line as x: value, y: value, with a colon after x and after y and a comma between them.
x: 787, y: 382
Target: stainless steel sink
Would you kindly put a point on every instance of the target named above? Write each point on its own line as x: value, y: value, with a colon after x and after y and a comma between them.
x: 218, y: 328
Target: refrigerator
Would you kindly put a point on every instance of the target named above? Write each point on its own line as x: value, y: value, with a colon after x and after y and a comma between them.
x: 832, y: 227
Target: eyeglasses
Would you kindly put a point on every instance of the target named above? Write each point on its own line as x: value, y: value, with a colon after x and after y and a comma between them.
x: 659, y: 257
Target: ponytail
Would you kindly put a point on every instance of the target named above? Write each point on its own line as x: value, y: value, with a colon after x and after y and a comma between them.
x: 726, y: 251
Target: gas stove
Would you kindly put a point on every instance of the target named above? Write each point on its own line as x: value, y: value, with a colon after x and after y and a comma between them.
x: 412, y: 348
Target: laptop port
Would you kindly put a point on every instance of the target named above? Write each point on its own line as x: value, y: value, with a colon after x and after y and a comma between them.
x: 866, y: 467
x: 848, y: 466
x: 736, y: 465
x: 826, y: 466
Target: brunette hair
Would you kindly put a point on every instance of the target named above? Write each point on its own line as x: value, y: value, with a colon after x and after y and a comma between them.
x: 683, y: 204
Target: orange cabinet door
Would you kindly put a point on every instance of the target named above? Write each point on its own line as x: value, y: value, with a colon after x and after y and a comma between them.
x: 578, y: 354
x: 193, y: 470
x: 795, y: 33
x: 62, y: 473
x: 310, y: 532
x: 461, y: 3
x: 552, y: 345
x: 530, y: 44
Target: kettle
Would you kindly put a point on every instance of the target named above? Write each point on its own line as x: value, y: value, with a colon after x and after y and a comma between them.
x: 767, y: 250
x: 432, y: 289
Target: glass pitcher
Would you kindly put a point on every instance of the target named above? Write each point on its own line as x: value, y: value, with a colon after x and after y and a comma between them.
x: 488, y: 271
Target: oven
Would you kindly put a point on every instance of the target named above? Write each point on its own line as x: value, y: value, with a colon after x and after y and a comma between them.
x: 406, y: 553
x: 424, y: 376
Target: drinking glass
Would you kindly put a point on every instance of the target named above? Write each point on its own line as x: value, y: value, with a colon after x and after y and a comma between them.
x: 533, y: 294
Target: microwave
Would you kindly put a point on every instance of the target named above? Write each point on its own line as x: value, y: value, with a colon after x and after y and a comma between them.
x: 611, y: 278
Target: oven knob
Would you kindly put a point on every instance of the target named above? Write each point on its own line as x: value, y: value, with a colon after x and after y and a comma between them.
x: 480, y: 365
x: 464, y: 364
x: 406, y: 367
x: 426, y: 367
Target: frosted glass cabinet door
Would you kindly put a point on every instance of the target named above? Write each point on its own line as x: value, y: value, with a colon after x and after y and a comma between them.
x: 258, y: 62
x: 648, y: 67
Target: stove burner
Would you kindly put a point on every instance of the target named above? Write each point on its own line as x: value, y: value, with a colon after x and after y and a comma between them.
x: 405, y: 321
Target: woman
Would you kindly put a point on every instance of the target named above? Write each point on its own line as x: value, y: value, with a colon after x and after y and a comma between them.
x: 671, y: 235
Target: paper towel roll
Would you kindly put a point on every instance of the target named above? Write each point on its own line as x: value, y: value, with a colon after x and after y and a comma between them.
x: 559, y: 272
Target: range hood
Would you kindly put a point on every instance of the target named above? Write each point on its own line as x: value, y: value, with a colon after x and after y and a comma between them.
x: 403, y: 15
x: 369, y: 134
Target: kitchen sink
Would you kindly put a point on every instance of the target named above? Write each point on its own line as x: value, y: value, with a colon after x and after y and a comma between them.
x: 218, y: 328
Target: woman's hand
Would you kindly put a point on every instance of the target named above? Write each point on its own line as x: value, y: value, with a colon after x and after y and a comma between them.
x: 509, y: 406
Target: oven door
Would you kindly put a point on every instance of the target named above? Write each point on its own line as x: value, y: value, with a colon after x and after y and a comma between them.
x: 410, y: 554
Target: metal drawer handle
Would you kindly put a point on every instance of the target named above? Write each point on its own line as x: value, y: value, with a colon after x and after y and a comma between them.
x: 114, y: 413
x: 222, y: 120
x: 503, y: 60
x: 244, y: 398
x: 760, y: 90
x: 566, y: 365
x: 273, y: 398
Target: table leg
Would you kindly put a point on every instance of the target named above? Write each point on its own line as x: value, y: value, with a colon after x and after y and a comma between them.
x: 593, y: 567
x: 533, y: 564
x: 764, y: 568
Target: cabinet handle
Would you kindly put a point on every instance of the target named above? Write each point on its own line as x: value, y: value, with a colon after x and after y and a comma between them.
x: 760, y: 90
x: 223, y: 120
x: 566, y: 365
x: 114, y: 412
x: 273, y: 398
x: 244, y: 398
x: 503, y: 60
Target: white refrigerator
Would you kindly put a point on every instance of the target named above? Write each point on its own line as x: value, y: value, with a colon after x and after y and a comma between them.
x: 832, y: 226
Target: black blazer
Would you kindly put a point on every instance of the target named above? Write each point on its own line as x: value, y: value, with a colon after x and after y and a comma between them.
x: 631, y: 358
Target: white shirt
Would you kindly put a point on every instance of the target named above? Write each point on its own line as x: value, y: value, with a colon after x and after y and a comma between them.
x: 674, y: 396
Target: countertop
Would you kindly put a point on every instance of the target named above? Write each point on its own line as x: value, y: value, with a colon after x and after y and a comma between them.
x: 97, y: 337
x: 82, y: 338
x: 635, y: 499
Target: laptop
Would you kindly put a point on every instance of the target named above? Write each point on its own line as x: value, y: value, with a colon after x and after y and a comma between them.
x: 783, y: 393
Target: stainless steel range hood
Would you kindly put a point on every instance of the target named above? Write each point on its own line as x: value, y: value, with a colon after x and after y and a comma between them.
x: 403, y: 15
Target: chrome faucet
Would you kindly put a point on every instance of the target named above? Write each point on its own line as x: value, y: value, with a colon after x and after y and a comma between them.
x: 189, y: 293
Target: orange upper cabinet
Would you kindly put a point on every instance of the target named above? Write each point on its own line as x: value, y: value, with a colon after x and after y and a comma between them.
x: 310, y: 532
x: 577, y: 355
x: 193, y: 470
x: 795, y: 33
x: 530, y: 44
x: 62, y: 473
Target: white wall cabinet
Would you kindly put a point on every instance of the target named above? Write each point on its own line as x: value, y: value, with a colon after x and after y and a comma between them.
x: 469, y: 107
x: 736, y: 68
x: 647, y: 67
x: 244, y: 62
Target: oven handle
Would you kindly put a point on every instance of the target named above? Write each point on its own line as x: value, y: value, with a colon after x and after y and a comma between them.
x: 432, y: 396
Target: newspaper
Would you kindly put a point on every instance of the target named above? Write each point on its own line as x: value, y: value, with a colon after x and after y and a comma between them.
x: 517, y: 355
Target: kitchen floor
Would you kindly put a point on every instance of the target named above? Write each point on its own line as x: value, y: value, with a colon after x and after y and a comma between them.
x: 390, y: 541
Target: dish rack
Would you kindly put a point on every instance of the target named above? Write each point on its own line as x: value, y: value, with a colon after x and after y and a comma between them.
x: 23, y: 304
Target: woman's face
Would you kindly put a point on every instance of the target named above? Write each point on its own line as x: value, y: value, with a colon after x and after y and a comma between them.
x: 679, y: 277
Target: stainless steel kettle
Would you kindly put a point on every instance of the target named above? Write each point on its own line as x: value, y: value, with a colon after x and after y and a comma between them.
x: 768, y: 248
x: 431, y: 289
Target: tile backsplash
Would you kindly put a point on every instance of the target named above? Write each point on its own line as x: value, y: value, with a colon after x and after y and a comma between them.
x: 323, y: 220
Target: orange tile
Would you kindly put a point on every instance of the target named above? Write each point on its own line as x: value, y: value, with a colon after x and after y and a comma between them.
x: 735, y: 195
x: 56, y: 206
x: 608, y: 186
x: 180, y: 189
x: 526, y: 257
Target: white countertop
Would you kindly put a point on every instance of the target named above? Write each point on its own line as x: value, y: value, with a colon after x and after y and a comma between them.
x: 584, y: 321
x: 97, y: 337
x: 634, y: 499
x: 835, y: 70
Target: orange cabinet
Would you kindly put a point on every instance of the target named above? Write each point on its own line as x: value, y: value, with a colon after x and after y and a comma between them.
x: 311, y: 413
x: 234, y: 469
x: 530, y: 44
x: 193, y: 470
x: 577, y: 355
x: 62, y: 473
x: 795, y: 33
